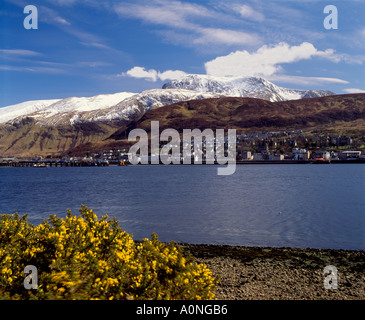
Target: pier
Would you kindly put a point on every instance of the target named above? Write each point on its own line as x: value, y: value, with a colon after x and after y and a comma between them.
x: 53, y: 163
x: 103, y: 163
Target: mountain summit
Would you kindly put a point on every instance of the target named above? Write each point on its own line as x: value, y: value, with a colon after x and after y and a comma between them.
x: 252, y: 87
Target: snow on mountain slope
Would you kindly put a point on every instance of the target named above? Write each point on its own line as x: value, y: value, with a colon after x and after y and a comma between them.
x: 109, y: 107
x: 11, y: 112
x: 61, y: 111
x: 253, y: 87
x: 72, y: 109
x: 89, y: 104
x: 140, y: 103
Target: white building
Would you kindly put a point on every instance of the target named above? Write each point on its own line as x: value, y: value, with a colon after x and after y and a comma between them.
x: 300, y: 154
x: 348, y: 155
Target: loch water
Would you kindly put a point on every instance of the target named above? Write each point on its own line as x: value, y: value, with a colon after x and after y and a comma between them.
x: 285, y: 205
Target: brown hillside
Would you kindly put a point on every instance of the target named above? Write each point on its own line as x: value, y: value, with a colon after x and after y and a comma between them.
x: 28, y: 139
x: 248, y: 114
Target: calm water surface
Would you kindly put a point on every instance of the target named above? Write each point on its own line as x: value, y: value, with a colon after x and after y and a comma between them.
x: 318, y: 206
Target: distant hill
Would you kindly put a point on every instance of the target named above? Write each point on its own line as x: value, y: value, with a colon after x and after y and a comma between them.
x: 249, y: 114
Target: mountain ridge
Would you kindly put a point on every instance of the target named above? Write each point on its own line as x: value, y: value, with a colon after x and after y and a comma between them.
x: 27, y: 138
x: 126, y: 106
x: 49, y: 127
x: 122, y: 106
x: 253, y: 87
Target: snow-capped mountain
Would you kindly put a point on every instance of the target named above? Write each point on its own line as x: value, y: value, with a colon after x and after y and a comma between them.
x: 107, y: 107
x: 253, y: 87
x: 126, y: 106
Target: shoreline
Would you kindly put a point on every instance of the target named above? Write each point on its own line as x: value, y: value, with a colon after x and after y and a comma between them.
x: 31, y: 164
x: 281, y: 273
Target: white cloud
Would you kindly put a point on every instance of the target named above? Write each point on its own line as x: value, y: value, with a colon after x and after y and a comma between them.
x: 62, y: 21
x: 331, y: 55
x: 266, y: 61
x: 171, y: 75
x: 19, y: 52
x: 168, y: 13
x: 153, y: 75
x: 32, y: 69
x: 307, y: 81
x: 249, y: 13
x: 225, y: 37
x: 142, y: 73
x: 189, y: 20
x: 93, y: 64
x: 354, y: 90
x: 65, y: 2
x: 94, y: 45
x: 86, y: 38
x: 51, y: 16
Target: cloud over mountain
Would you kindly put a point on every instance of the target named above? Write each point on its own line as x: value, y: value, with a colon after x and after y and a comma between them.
x: 266, y: 61
x: 152, y: 74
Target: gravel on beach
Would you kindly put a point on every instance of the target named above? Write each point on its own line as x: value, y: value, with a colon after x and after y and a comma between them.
x: 247, y: 273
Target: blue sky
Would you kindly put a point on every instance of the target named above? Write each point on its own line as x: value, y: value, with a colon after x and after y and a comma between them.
x: 90, y: 47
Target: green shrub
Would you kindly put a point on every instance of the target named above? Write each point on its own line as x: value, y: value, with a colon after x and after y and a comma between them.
x: 83, y: 257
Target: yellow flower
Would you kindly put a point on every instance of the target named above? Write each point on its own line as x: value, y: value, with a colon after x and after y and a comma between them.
x: 61, y: 290
x: 78, y: 254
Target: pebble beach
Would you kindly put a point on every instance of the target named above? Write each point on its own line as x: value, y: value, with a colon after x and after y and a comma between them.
x: 263, y: 273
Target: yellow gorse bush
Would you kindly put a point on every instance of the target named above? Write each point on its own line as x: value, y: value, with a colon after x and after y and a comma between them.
x: 83, y: 257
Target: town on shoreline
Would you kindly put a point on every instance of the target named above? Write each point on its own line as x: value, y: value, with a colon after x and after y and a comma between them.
x: 281, y: 147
